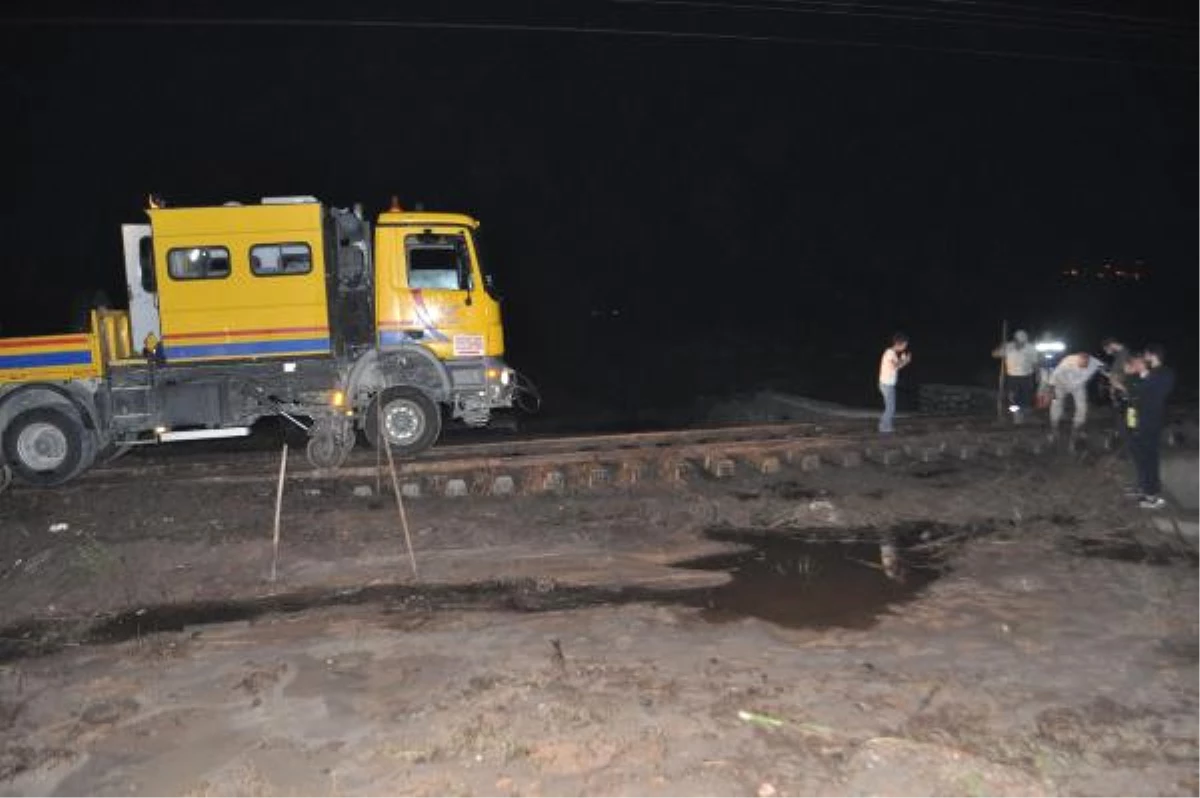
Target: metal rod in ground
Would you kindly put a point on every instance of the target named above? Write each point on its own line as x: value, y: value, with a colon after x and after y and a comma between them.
x: 386, y: 444
x: 278, y: 510
x: 1000, y: 401
x: 379, y: 455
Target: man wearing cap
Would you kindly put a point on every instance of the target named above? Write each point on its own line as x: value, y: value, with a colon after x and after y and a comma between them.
x: 1020, y: 366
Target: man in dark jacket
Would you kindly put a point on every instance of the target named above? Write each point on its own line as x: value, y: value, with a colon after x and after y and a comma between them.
x: 1146, y: 418
x: 1119, y: 379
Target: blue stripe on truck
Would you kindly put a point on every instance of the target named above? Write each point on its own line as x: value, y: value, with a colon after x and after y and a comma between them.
x: 247, y: 348
x: 74, y: 358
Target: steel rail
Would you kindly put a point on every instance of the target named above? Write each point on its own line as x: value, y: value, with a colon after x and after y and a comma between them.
x: 666, y: 453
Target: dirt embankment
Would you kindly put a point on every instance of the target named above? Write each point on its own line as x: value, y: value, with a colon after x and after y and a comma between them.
x: 1041, y: 640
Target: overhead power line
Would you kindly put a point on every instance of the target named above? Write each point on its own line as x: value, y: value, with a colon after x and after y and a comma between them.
x: 921, y: 14
x: 1064, y: 11
x: 603, y: 31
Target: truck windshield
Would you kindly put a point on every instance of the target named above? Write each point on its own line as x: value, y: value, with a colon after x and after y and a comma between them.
x: 438, y: 260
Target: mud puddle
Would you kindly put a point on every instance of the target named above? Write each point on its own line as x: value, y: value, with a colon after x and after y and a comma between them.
x: 802, y: 582
x: 801, y: 579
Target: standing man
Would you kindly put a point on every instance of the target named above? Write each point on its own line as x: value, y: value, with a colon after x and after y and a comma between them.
x: 1118, y: 380
x: 895, y: 357
x: 1146, y: 419
x: 1020, y: 367
x: 1118, y: 384
x: 1070, y: 378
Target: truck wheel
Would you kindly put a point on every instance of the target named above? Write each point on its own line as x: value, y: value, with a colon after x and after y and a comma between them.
x: 412, y: 420
x: 46, y: 446
x: 91, y: 450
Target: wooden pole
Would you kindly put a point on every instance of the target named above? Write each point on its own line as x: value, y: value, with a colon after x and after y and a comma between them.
x: 278, y: 510
x: 379, y: 463
x: 1000, y: 381
x: 412, y: 559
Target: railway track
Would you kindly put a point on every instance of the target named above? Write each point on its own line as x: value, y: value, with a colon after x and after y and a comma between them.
x: 555, y: 464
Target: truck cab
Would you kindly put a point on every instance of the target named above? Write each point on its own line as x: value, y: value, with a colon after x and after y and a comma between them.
x: 432, y: 291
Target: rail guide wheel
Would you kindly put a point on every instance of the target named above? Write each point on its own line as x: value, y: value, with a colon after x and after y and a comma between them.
x: 329, y: 444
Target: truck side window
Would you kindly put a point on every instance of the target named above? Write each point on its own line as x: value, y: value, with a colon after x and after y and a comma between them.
x: 437, y: 261
x: 146, y: 264
x: 198, y: 263
x: 273, y: 259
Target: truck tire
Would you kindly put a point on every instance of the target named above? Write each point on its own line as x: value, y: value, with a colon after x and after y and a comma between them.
x: 91, y: 450
x: 46, y: 446
x: 412, y: 419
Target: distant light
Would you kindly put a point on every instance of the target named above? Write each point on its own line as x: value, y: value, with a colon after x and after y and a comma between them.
x: 339, y: 399
x: 1013, y: 408
x: 1050, y: 346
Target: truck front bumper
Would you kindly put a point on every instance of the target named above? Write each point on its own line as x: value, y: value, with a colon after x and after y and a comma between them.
x: 484, y: 383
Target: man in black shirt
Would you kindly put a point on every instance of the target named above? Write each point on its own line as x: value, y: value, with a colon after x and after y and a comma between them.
x: 1119, y: 380
x: 1146, y: 418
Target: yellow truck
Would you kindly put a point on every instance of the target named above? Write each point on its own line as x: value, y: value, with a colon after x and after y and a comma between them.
x: 284, y: 308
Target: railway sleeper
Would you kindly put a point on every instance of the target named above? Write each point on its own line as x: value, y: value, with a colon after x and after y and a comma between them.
x: 720, y: 465
x: 886, y: 457
x: 764, y: 464
x: 632, y: 472
x: 843, y: 458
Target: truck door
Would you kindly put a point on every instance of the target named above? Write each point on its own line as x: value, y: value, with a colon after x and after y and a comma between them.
x: 434, y: 295
x: 140, y: 280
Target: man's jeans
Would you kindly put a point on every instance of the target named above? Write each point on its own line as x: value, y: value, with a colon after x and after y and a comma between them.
x: 1079, y: 396
x: 889, y: 407
x: 1021, y: 389
x: 1144, y: 444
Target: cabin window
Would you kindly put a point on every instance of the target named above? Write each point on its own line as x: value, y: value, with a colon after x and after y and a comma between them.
x: 438, y: 260
x: 198, y: 263
x: 274, y: 259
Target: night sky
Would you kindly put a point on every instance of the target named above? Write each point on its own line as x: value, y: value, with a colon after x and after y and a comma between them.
x: 677, y: 197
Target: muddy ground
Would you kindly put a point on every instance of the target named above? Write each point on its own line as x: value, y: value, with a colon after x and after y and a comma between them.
x: 1035, y: 636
